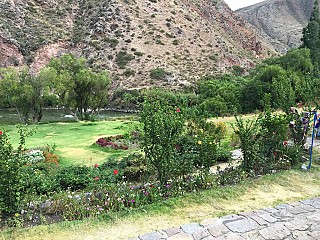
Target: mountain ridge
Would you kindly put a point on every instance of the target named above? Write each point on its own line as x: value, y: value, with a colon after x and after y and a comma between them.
x: 187, y: 39
x: 279, y: 21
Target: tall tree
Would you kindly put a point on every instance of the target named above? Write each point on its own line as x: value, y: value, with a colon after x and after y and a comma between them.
x: 24, y: 92
x: 77, y: 86
x: 311, y: 34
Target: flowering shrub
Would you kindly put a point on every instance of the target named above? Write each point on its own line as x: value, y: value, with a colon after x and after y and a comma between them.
x: 162, y: 125
x: 34, y: 156
x: 109, y: 142
x: 11, y: 163
x: 105, y: 197
x: 51, y: 158
x: 265, y: 145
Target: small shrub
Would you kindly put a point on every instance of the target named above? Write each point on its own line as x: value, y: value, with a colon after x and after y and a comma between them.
x: 129, y: 72
x: 158, y: 74
x: 134, y: 167
x: 175, y: 42
x: 230, y: 176
x: 223, y: 155
x: 139, y: 54
x: 123, y: 58
x: 75, y: 177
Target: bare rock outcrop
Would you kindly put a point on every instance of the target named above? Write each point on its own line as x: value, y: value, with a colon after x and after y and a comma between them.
x: 279, y: 21
x: 10, y: 54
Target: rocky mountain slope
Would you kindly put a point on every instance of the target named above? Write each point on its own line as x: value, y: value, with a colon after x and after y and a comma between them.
x: 279, y: 21
x: 177, y: 40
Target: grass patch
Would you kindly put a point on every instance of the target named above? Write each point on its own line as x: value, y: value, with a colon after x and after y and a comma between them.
x: 74, y: 140
x: 268, y: 190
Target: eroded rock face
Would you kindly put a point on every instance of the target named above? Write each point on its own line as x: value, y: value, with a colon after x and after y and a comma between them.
x: 10, y: 54
x: 279, y: 21
x: 45, y: 53
x: 187, y: 38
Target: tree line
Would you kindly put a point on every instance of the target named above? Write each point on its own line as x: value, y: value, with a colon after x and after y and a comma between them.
x: 65, y: 82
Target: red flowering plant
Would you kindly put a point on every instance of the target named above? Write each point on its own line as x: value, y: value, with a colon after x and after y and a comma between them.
x: 112, y: 142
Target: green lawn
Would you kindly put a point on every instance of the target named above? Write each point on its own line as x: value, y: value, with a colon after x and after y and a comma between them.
x: 74, y: 140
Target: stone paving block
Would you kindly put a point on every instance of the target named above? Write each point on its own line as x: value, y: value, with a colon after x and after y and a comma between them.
x: 308, y: 201
x: 270, y: 210
x: 314, y: 227
x: 241, y: 224
x: 284, y: 215
x: 315, y: 202
x: 191, y: 228
x: 314, y: 218
x: 267, y: 217
x: 181, y: 236
x: 308, y: 208
x: 133, y: 239
x: 259, y: 220
x: 200, y: 234
x: 296, y: 204
x: 283, y: 206
x: 233, y: 236
x: 297, y: 224
x: 289, y: 238
x: 315, y: 235
x: 275, y: 232
x: 153, y: 236
x: 301, y: 235
x: 218, y: 230
x: 209, y: 238
x: 252, y: 235
x: 297, y: 210
x: 254, y: 216
x: 172, y: 231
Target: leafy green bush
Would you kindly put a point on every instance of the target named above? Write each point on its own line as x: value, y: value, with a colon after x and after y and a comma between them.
x: 230, y: 176
x: 75, y: 177
x: 123, y: 58
x: 158, y: 74
x: 11, y: 181
x: 223, y: 155
x: 162, y: 125
x: 133, y: 167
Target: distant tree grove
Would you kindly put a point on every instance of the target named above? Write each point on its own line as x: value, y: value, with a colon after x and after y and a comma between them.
x: 65, y: 82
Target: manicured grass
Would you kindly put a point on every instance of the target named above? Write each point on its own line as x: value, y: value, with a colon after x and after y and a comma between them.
x: 269, y: 190
x: 74, y: 140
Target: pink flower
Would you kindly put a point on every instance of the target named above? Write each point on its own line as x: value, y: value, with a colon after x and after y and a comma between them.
x: 285, y: 143
x: 96, y: 178
x: 115, y: 172
x: 275, y: 153
x: 132, y: 200
x: 178, y: 110
x: 96, y: 165
x: 1, y: 133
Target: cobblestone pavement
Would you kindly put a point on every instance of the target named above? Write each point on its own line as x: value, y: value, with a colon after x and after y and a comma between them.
x: 298, y: 220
